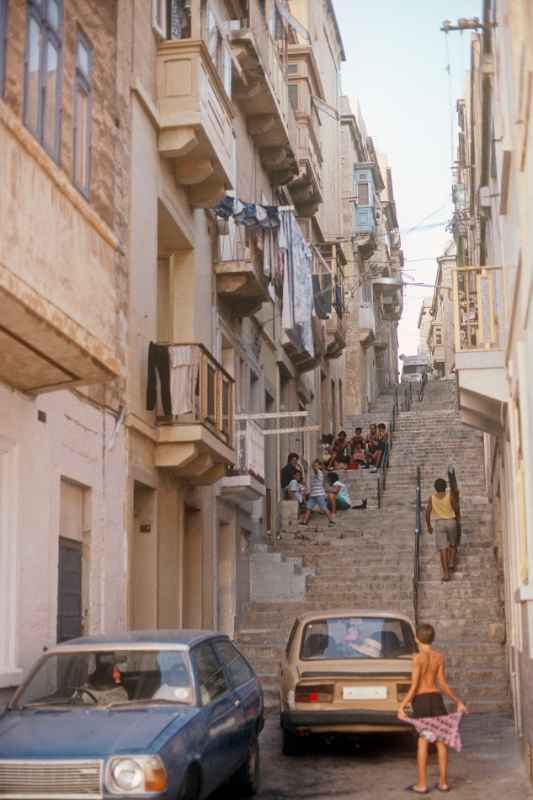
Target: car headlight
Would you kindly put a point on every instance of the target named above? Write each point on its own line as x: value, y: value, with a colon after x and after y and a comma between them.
x: 136, y: 775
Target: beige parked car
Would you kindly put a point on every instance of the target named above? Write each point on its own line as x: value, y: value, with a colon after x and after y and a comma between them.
x: 345, y: 672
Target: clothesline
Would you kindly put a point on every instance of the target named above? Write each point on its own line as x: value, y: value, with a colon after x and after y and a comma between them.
x: 250, y: 215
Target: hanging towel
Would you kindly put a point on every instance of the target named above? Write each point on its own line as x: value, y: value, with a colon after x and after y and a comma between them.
x: 183, y: 377
x: 443, y: 729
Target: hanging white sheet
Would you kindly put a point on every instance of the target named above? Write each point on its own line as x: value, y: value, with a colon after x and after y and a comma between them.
x: 183, y: 377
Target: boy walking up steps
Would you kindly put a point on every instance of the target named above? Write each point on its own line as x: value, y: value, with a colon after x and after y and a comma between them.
x: 441, y: 513
x: 430, y: 717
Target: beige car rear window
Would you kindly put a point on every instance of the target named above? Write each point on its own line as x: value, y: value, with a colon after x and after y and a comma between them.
x: 357, y: 638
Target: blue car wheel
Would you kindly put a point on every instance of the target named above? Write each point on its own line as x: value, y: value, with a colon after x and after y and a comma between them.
x: 247, y: 777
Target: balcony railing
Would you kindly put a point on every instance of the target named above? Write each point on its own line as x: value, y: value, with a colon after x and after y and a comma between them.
x: 250, y: 447
x: 240, y: 271
x: 206, y: 392
x: 478, y: 295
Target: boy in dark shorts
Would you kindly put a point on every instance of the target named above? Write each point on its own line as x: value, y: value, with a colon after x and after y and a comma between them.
x: 427, y: 683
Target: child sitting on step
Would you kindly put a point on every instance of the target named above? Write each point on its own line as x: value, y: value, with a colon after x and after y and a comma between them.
x: 338, y: 496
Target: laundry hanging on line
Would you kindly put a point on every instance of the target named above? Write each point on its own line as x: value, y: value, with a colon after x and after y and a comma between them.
x: 174, y: 370
x: 251, y: 215
x: 297, y: 299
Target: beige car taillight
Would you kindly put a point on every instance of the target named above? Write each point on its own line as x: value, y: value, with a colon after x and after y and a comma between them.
x: 321, y: 693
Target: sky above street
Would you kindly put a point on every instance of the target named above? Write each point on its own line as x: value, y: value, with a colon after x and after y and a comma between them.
x: 396, y: 67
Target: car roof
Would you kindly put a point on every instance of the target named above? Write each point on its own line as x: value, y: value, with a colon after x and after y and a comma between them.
x: 352, y: 612
x: 182, y: 639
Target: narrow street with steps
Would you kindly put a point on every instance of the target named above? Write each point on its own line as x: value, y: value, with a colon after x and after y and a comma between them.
x: 367, y: 560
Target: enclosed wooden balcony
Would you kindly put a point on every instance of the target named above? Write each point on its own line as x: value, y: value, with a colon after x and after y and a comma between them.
x: 240, y: 274
x: 479, y: 324
x: 388, y: 293
x: 261, y: 91
x: 195, y: 120
x: 305, y: 87
x: 58, y: 262
x: 196, y: 441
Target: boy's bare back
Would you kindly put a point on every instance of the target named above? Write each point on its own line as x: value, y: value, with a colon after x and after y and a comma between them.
x: 430, y: 664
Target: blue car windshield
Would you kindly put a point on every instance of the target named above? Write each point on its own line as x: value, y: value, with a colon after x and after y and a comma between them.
x: 108, y: 678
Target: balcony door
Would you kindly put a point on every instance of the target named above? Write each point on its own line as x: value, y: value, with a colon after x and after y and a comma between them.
x: 69, y: 603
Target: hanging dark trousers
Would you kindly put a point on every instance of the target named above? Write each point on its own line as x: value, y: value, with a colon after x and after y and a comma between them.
x: 158, y: 361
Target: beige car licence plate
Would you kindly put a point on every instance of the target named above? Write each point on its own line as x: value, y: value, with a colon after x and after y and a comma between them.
x: 364, y: 693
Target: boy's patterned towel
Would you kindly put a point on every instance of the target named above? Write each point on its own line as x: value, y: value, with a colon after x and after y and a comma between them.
x: 444, y: 729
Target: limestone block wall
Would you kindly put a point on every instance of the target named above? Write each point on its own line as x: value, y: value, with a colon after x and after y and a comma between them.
x: 45, y: 441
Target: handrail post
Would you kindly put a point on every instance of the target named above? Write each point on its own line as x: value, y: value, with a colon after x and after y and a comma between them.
x: 418, y: 533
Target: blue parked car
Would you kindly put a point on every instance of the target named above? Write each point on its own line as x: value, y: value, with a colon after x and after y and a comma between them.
x: 164, y: 714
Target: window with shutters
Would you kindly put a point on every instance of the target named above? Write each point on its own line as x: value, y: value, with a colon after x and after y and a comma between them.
x: 43, y: 65
x: 82, y: 115
x: 3, y: 43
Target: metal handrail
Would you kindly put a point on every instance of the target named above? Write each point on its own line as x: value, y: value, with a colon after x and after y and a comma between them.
x: 422, y: 388
x: 418, y: 534
x: 385, y: 461
x: 454, y: 489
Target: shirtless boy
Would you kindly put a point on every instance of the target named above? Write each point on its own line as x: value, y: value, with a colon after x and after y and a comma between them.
x: 426, y: 700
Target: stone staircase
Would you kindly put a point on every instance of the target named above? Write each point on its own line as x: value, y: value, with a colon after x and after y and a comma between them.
x: 367, y: 559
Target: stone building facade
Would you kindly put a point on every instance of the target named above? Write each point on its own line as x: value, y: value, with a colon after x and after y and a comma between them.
x: 440, y: 335
x: 63, y: 293
x: 424, y: 325
x: 493, y: 290
x: 375, y: 260
x: 175, y: 274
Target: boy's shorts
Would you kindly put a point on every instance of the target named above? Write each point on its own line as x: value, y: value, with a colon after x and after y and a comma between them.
x: 445, y: 533
x: 319, y: 501
x: 342, y: 504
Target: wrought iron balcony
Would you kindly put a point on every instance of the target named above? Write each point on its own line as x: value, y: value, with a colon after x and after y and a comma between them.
x: 479, y: 325
x: 197, y: 439
x: 240, y: 274
x: 245, y: 480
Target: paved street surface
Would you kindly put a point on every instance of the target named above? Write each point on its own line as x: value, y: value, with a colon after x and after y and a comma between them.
x: 489, y: 767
